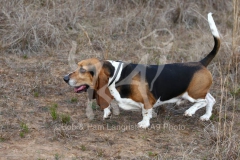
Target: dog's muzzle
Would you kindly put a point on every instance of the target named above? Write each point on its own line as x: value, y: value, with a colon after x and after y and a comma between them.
x: 78, y: 89
x: 66, y: 78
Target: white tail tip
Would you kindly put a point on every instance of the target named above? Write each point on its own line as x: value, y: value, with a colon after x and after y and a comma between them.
x: 212, y: 25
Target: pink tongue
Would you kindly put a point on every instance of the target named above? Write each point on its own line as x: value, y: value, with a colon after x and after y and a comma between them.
x: 79, y: 88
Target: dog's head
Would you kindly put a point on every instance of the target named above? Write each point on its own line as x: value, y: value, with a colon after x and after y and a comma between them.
x: 92, y: 73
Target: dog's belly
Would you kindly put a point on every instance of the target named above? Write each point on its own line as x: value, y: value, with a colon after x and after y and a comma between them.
x: 129, y: 104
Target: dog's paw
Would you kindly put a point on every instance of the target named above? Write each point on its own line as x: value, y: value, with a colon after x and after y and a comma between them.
x: 205, y: 117
x: 107, y: 114
x: 188, y: 113
x: 108, y: 117
x: 179, y: 102
x: 143, y: 124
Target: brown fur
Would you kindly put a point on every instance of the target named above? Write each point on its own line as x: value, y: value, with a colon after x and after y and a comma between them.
x: 198, y: 87
x: 200, y: 84
x: 97, y: 82
x: 104, y: 96
x: 141, y: 93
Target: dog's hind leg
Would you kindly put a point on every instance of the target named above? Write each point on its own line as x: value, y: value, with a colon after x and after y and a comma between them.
x: 200, y: 104
x: 197, y: 92
x: 147, y: 115
x: 210, y: 102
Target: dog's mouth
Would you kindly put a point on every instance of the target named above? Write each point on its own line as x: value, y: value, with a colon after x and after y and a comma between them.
x: 82, y: 88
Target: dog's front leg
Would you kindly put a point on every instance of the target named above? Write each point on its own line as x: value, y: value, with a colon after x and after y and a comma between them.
x: 115, y: 110
x: 147, y: 115
x: 89, y: 103
x: 89, y: 110
x: 107, y: 113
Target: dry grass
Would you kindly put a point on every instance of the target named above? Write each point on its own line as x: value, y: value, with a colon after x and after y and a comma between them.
x: 35, y: 40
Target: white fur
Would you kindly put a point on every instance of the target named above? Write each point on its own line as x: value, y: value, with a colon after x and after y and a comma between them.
x: 107, y: 112
x: 115, y: 65
x: 187, y: 97
x: 212, y: 25
x: 199, y: 103
x: 124, y: 103
x: 147, y: 115
x: 159, y: 102
x: 179, y: 102
x: 210, y: 102
x: 72, y: 82
x: 127, y: 103
x: 90, y: 113
x: 194, y: 108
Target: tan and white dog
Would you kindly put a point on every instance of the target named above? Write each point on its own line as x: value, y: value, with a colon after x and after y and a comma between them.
x: 143, y: 87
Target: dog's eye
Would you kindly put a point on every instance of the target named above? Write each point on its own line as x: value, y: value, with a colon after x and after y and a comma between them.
x: 82, y: 70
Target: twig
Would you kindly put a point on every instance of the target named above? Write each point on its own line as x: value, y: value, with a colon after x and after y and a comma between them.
x: 86, y: 34
x: 71, y: 56
x: 235, y: 56
x: 154, y: 33
x: 199, y: 14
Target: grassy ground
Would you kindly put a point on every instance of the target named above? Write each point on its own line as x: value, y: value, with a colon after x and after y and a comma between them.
x: 41, y: 117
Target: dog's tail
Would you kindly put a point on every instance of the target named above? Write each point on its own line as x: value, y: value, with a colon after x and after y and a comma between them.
x: 205, y: 61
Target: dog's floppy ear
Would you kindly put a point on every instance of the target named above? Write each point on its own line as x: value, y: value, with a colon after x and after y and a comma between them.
x: 103, y: 95
x: 108, y: 68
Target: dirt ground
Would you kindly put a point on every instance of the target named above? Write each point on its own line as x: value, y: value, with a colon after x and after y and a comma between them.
x: 42, y: 118
x: 171, y: 135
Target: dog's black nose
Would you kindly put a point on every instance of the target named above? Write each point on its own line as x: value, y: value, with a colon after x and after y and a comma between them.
x: 66, y: 78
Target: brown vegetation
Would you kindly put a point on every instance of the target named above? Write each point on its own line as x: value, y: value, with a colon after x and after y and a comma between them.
x: 41, y: 117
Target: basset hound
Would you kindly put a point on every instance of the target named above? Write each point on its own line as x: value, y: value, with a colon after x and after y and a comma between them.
x: 143, y: 87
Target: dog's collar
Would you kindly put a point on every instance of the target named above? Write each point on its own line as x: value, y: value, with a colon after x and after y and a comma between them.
x: 116, y: 73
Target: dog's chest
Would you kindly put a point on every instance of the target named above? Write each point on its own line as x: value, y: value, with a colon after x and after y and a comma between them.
x: 124, y: 103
